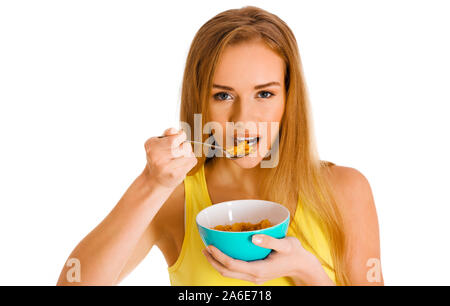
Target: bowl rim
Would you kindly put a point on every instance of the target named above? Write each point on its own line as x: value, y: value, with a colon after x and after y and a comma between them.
x: 254, y: 231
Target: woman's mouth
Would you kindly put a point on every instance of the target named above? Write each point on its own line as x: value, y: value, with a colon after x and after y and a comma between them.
x: 243, y: 146
x: 250, y: 140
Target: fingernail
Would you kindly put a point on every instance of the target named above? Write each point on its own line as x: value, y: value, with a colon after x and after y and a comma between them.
x: 208, y: 249
x: 256, y: 239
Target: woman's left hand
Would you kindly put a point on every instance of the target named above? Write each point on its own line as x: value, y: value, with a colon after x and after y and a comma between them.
x: 288, y: 258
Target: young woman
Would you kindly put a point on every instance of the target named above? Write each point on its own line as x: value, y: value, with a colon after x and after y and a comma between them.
x: 243, y: 66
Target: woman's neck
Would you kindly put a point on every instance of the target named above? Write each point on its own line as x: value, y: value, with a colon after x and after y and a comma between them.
x: 224, y: 172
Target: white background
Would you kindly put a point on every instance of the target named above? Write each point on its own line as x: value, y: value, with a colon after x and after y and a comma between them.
x: 83, y: 84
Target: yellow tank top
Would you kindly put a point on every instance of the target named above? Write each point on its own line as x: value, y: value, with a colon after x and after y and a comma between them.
x: 193, y: 269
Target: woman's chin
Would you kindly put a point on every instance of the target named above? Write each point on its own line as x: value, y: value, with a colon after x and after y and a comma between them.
x: 249, y: 161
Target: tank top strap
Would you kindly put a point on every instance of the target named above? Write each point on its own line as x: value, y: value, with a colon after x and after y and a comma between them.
x: 195, y: 199
x: 196, y: 192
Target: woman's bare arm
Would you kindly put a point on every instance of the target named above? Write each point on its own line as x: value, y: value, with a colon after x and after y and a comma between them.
x: 153, y: 233
x: 357, y: 206
x: 105, y: 252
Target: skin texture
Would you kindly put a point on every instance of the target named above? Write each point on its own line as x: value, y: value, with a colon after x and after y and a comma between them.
x: 151, y: 212
x: 119, y: 242
x: 235, y: 99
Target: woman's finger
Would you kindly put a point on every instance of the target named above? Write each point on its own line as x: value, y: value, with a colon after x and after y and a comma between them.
x: 161, y: 166
x: 226, y: 272
x: 232, y: 264
x: 179, y: 139
x: 185, y: 150
x: 172, y: 138
x: 182, y: 162
x: 279, y: 245
x: 170, y: 131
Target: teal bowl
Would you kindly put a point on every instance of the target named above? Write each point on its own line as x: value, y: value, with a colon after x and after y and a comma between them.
x: 238, y: 245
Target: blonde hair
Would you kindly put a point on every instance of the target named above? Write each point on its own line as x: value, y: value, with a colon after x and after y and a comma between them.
x: 297, y: 149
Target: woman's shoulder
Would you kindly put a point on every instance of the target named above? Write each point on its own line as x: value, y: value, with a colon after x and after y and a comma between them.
x: 353, y: 194
x: 343, y: 174
x: 355, y: 202
x: 356, y: 205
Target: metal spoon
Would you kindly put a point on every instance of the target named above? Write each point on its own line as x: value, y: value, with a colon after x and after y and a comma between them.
x: 227, y: 155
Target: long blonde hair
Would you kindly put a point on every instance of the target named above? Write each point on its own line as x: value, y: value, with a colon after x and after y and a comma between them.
x: 300, y: 174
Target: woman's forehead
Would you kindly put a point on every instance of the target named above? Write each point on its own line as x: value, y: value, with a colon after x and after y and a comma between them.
x: 247, y: 65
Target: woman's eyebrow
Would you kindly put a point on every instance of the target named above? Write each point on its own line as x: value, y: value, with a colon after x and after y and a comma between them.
x: 256, y: 87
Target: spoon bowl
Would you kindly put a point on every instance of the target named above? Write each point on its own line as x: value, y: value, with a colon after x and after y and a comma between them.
x: 227, y: 154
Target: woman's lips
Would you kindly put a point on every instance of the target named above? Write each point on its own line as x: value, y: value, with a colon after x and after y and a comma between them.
x: 243, y: 146
x: 250, y: 140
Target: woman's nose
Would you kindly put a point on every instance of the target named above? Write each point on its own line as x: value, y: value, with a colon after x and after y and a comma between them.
x: 244, y: 118
x: 242, y: 111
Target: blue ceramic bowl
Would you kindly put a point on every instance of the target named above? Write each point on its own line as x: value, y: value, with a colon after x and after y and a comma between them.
x: 238, y: 245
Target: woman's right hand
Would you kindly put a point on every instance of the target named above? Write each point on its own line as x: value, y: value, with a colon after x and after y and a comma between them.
x: 169, y: 158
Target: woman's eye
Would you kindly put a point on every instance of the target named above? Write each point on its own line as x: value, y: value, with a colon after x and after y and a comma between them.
x: 266, y: 94
x: 221, y: 96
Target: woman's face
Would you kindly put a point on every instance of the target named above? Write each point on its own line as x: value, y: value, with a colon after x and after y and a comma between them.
x: 248, y: 92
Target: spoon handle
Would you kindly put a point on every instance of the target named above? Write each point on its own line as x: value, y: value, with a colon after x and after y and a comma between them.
x: 199, y: 142
x: 205, y: 144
